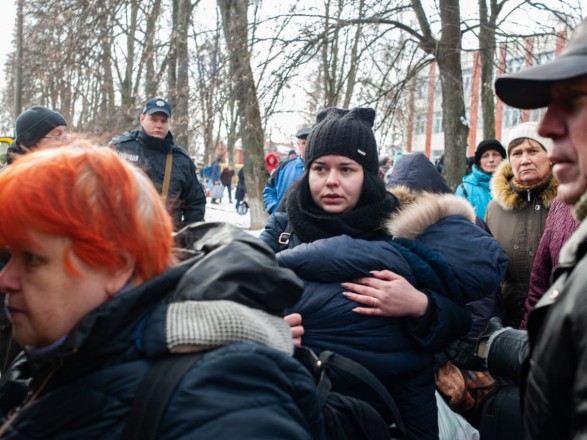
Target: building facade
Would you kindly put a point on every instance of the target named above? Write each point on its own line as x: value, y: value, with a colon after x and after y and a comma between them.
x: 425, y: 131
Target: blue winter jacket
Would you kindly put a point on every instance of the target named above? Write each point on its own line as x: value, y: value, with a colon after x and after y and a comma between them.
x: 286, y: 173
x: 239, y: 390
x: 438, y: 260
x: 475, y: 188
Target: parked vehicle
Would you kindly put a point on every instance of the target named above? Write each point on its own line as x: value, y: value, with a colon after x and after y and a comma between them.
x: 5, y: 142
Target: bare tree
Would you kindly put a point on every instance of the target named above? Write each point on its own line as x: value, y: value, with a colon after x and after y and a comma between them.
x: 181, y: 92
x: 447, y: 52
x: 235, y: 25
x: 487, y: 45
x: 18, y: 61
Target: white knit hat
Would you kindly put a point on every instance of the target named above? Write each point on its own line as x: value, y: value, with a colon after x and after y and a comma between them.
x: 526, y: 130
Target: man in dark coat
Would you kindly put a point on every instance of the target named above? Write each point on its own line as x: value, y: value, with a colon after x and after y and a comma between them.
x: 152, y: 148
x: 226, y: 179
x: 550, y: 358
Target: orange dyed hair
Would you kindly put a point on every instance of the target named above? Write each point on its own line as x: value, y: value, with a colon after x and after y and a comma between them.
x: 105, y: 206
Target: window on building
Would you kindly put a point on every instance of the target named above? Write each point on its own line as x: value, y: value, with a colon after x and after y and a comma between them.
x: 420, y: 125
x: 511, y: 116
x: 467, y: 79
x: 422, y: 88
x: 514, y: 64
x: 544, y: 57
x: 537, y: 114
x: 437, y: 123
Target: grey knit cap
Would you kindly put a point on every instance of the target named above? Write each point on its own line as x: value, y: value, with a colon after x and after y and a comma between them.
x: 345, y: 132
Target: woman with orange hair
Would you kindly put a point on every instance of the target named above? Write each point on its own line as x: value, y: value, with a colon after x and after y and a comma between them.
x: 97, y: 297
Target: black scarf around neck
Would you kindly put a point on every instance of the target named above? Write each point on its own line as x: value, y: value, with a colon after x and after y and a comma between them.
x: 157, y: 144
x: 311, y: 223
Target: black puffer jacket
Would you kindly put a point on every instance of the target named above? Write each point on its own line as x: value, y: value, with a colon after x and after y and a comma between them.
x: 240, y: 390
x: 186, y: 199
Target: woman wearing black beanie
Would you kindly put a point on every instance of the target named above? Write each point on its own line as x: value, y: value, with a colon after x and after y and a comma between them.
x: 475, y: 185
x: 38, y: 128
x: 335, y: 229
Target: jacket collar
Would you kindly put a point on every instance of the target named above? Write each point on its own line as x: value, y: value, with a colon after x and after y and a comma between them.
x: 157, y: 144
x: 510, y: 198
x: 420, y: 210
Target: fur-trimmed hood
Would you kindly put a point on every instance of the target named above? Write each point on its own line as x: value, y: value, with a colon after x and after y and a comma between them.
x: 509, y: 198
x: 446, y: 223
x: 420, y: 210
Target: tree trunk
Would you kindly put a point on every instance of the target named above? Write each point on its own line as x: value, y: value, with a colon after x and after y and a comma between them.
x: 235, y: 24
x: 172, y: 55
x: 181, y: 105
x: 487, y: 46
x: 454, y: 117
x: 447, y: 52
x: 18, y: 60
x: 128, y: 100
x: 151, y: 78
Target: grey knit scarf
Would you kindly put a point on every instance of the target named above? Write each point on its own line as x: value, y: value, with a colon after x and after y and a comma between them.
x: 202, y: 325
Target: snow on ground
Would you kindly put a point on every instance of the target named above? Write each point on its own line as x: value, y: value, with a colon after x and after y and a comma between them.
x: 226, y: 212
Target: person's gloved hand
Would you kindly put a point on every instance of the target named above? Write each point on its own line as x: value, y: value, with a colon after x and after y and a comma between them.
x: 463, y: 353
x: 493, y: 327
x: 471, y: 354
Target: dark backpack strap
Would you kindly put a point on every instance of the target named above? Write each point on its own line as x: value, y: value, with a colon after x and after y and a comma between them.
x: 330, y: 359
x: 154, y: 393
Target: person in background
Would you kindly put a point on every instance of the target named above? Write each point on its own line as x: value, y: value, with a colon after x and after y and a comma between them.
x: 475, y: 186
x: 97, y: 296
x: 440, y: 163
x: 38, y: 128
x: 226, y: 179
x: 559, y: 227
x: 384, y: 166
x: 271, y: 161
x: 241, y: 188
x: 152, y: 148
x: 292, y: 154
x: 286, y: 173
x: 417, y: 173
x: 470, y: 163
x: 214, y: 181
x: 523, y: 189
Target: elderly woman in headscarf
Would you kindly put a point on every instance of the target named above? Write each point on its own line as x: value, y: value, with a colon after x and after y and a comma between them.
x: 523, y: 190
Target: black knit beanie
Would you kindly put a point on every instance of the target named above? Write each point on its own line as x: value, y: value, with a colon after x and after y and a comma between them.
x: 488, y: 144
x: 345, y: 132
x: 35, y: 123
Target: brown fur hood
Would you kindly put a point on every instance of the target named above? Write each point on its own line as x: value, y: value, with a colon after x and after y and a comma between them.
x: 420, y: 210
x: 510, y: 199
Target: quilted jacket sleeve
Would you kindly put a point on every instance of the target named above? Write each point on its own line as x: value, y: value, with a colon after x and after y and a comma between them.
x: 244, y: 391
